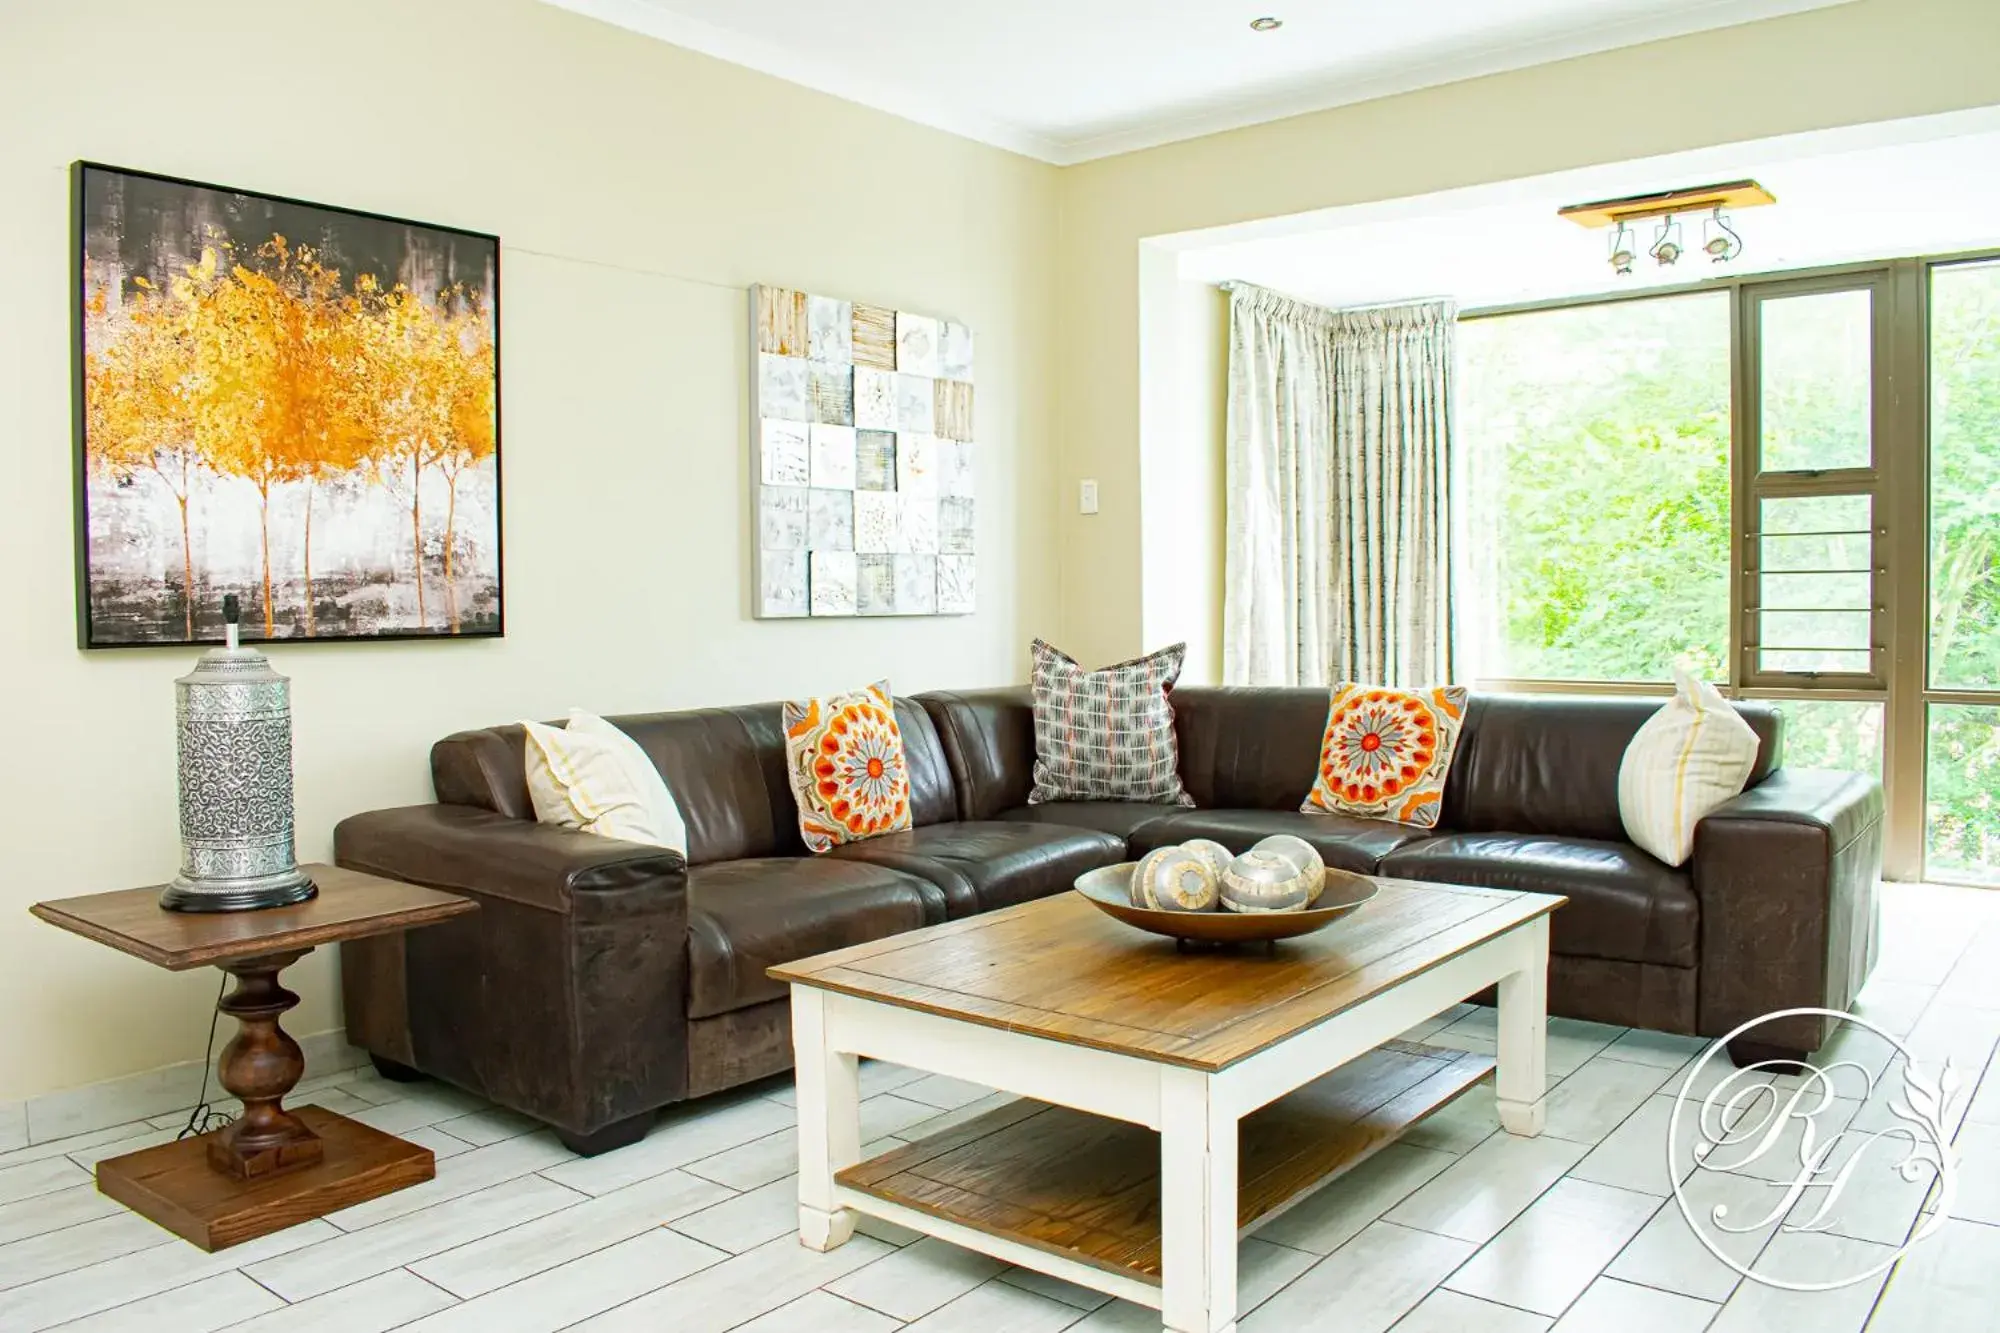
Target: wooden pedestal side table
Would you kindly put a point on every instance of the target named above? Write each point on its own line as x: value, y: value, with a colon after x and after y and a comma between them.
x: 273, y: 1167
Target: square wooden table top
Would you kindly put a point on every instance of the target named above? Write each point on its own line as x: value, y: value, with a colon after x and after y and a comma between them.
x: 350, y: 905
x: 1061, y: 969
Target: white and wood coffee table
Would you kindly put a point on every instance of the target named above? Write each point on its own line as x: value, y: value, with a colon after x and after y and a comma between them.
x: 1175, y: 1099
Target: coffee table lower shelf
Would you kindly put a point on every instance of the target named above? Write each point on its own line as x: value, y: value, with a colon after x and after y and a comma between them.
x: 1087, y: 1189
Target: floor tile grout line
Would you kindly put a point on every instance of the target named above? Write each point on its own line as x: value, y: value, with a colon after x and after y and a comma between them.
x: 726, y: 1256
x: 141, y: 1126
x: 1608, y: 1275
x: 65, y: 1272
x: 43, y: 1194
x: 582, y: 1199
x: 68, y: 1226
x: 405, y: 1323
x: 1605, y: 1269
x: 1481, y: 1247
x: 245, y: 1274
x: 172, y: 1287
x: 440, y: 1203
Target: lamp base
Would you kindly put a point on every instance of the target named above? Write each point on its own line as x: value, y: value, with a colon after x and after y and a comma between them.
x: 238, y: 895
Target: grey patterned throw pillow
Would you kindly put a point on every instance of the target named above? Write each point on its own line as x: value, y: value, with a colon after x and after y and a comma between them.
x: 1106, y: 735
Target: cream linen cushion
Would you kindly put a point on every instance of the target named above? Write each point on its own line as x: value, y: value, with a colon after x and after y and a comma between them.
x: 1687, y: 759
x: 592, y: 776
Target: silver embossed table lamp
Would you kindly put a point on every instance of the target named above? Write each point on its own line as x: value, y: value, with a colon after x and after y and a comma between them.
x: 235, y: 742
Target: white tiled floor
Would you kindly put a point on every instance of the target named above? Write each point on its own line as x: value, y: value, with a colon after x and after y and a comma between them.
x: 1456, y: 1227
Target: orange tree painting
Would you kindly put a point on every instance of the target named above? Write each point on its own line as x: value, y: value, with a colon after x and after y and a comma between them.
x: 296, y: 403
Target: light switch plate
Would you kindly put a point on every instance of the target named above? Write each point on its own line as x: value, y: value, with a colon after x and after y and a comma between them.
x: 1086, y: 497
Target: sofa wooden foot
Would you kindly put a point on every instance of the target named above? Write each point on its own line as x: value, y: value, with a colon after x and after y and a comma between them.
x: 393, y: 1071
x: 1743, y: 1054
x: 617, y: 1134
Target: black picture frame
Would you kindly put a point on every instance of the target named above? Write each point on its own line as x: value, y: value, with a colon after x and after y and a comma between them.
x: 92, y: 630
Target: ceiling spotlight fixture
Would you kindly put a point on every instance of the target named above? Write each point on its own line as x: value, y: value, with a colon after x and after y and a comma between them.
x: 1722, y: 243
x: 1666, y: 251
x: 1266, y: 24
x: 1622, y: 253
x: 1720, y: 239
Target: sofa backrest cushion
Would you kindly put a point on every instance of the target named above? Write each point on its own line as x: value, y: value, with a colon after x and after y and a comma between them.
x: 989, y: 742
x: 725, y: 767
x: 1240, y: 749
x: 1549, y: 763
x: 1250, y: 749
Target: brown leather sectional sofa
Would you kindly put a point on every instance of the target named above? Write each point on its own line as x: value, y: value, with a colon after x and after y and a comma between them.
x: 603, y: 980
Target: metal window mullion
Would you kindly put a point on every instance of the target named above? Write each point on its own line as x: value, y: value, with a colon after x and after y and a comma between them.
x: 1862, y: 695
x: 1834, y: 481
x: 1963, y: 698
x: 1902, y: 423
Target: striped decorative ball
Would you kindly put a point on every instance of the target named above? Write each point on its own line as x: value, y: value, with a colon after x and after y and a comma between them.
x: 1174, y: 880
x: 1301, y: 854
x: 1214, y: 853
x: 1264, y: 882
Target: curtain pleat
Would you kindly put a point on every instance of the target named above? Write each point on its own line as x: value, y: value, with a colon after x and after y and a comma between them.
x: 1339, y: 437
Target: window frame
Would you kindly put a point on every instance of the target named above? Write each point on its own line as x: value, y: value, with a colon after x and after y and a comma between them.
x: 1751, y: 485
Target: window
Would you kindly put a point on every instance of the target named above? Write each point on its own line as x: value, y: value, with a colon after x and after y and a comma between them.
x: 1815, y: 382
x: 1811, y: 553
x: 1814, y: 585
x: 1962, y: 793
x: 1738, y: 479
x: 1962, y: 701
x: 1593, y: 447
x: 1833, y: 733
x: 1965, y: 478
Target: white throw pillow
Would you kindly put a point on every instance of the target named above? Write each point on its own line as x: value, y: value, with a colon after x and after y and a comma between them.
x: 592, y: 776
x: 1688, y: 758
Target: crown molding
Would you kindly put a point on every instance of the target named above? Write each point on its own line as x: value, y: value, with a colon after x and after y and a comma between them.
x: 1241, y: 113
x: 804, y: 70
x: 1215, y: 117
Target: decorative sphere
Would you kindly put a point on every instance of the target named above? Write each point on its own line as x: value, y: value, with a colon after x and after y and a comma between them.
x: 1301, y: 854
x: 1264, y: 882
x: 1174, y: 880
x: 1214, y: 853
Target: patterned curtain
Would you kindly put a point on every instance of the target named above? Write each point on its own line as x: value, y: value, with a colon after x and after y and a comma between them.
x: 1338, y: 462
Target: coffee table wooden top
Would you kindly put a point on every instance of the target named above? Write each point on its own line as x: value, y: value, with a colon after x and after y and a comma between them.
x: 1059, y: 968
x: 350, y: 905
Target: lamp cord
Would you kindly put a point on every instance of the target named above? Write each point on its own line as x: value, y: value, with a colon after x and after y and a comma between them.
x: 203, y: 1118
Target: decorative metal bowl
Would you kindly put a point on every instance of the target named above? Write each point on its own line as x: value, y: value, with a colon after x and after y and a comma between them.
x: 1110, y: 890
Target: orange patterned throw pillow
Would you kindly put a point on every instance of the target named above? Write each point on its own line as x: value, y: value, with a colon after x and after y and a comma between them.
x: 845, y: 757
x: 1387, y: 753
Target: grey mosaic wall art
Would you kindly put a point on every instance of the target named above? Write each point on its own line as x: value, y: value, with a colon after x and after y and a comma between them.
x: 862, y: 479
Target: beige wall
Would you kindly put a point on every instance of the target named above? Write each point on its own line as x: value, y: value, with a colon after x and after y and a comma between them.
x: 1184, y: 372
x: 637, y: 190
x: 1867, y: 61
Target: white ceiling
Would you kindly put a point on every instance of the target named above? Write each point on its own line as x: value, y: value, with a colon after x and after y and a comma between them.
x: 1921, y: 188
x: 1070, y: 80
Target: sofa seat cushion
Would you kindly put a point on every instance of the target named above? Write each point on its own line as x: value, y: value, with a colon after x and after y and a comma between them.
x: 746, y: 916
x: 984, y: 864
x: 1623, y: 904
x: 1121, y: 819
x: 1343, y: 841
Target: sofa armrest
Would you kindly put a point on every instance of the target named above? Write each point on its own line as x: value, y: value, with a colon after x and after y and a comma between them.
x: 465, y: 849
x: 1787, y: 875
x: 564, y: 997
